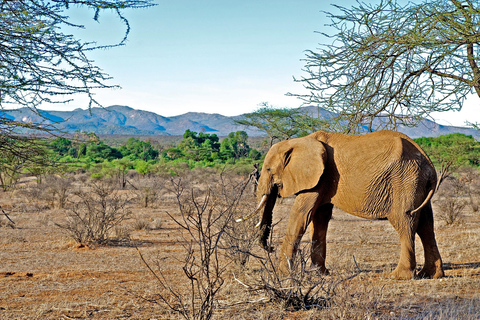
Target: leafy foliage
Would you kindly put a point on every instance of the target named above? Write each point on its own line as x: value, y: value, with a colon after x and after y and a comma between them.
x: 61, y: 146
x: 138, y: 149
x: 456, y: 148
x: 87, y: 152
x: 19, y: 153
x: 199, y: 146
x: 235, y: 145
x: 206, y: 148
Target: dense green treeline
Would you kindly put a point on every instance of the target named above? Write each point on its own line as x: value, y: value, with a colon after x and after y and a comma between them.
x: 456, y: 149
x: 202, y: 149
x: 86, y: 152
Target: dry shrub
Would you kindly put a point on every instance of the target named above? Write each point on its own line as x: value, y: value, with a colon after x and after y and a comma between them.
x: 34, y: 191
x: 304, y: 288
x: 307, y: 294
x: 475, y: 202
x: 147, y: 224
x: 54, y: 190
x: 141, y: 224
x: 148, y: 188
x: 205, y: 213
x: 35, y: 197
x: 95, y: 213
x: 58, y: 188
x: 239, y: 237
x: 471, y: 177
x: 452, y: 197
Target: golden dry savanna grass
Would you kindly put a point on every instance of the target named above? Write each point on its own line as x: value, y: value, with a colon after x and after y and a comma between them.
x: 44, y: 274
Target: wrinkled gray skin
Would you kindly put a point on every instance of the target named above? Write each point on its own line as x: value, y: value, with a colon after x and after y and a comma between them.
x: 378, y: 175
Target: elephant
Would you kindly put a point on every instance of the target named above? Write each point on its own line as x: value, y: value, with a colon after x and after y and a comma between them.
x: 378, y: 175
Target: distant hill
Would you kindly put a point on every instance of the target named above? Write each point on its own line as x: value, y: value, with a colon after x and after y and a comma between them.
x: 123, y: 120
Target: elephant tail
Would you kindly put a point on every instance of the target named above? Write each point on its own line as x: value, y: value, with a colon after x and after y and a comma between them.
x: 426, y: 201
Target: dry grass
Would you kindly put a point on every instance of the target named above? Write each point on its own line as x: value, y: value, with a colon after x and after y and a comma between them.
x: 46, y: 275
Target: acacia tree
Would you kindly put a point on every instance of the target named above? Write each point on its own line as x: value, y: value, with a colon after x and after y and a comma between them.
x: 396, y: 62
x: 283, y: 123
x: 41, y: 63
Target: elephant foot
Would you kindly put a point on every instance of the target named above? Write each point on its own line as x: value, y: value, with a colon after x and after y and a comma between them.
x: 269, y: 249
x: 266, y: 247
x: 402, y: 274
x: 321, y: 269
x: 324, y: 271
x: 439, y: 274
x: 431, y: 273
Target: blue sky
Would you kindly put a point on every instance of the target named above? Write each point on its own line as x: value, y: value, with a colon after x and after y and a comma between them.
x: 212, y: 56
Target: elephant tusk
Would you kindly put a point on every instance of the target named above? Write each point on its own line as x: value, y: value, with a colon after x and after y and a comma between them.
x: 260, y: 206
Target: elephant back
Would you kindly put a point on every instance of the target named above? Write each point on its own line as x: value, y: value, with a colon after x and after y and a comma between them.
x: 381, y: 173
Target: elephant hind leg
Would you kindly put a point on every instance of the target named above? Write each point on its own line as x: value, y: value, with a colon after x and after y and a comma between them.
x: 319, y: 236
x: 433, y: 267
x: 407, y: 263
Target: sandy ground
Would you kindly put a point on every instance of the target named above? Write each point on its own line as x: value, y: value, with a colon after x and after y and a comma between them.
x: 46, y: 275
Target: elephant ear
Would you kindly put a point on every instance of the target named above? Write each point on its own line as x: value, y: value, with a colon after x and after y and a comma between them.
x: 303, y: 165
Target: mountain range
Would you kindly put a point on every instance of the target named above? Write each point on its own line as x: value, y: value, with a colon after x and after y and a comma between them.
x: 123, y: 120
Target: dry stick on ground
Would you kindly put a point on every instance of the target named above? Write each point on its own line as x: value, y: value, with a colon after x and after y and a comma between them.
x: 6, y: 215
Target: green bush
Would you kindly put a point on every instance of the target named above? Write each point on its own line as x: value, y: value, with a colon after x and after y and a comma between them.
x: 136, y: 149
x: 96, y: 175
x: 142, y: 167
x: 456, y: 148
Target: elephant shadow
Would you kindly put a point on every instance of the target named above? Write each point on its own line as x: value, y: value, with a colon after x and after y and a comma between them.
x: 474, y: 268
x: 461, y: 266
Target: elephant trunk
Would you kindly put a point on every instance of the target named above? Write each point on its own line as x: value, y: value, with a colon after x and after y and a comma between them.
x: 266, y: 220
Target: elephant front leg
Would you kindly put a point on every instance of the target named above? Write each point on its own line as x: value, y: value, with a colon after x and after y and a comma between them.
x: 319, y: 236
x: 300, y: 216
